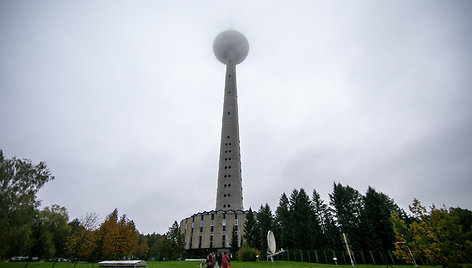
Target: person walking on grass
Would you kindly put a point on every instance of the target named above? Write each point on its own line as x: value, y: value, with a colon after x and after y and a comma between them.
x: 210, y: 260
x: 225, y: 260
x: 218, y: 259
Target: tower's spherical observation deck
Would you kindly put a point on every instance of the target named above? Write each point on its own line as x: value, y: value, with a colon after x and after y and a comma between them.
x: 231, y: 47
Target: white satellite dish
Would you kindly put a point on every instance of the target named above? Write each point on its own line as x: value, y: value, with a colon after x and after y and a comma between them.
x: 272, y: 247
x: 271, y: 242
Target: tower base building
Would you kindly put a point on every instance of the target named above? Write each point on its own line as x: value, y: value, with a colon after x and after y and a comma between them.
x: 213, y: 230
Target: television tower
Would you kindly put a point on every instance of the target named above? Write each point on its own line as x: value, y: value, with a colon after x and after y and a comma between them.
x: 231, y: 48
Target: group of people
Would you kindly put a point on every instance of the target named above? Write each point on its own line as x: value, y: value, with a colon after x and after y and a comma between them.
x: 220, y: 260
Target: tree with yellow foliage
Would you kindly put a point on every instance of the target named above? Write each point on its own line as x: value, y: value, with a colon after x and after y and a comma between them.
x: 117, y: 237
x: 435, y: 237
x: 81, y: 242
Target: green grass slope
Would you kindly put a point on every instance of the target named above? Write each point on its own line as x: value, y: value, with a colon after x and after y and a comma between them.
x: 185, y: 264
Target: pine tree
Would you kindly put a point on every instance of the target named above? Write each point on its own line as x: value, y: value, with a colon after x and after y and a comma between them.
x: 282, y: 218
x: 176, y: 241
x: 301, y: 220
x: 234, y: 241
x: 332, y: 232
x: 347, y: 204
x: 323, y: 217
x: 251, y: 230
x: 377, y: 210
x: 265, y: 220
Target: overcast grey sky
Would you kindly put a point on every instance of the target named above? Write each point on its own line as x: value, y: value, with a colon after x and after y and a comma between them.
x: 123, y: 101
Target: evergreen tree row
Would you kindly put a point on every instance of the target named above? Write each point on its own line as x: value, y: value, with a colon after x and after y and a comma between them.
x: 304, y: 222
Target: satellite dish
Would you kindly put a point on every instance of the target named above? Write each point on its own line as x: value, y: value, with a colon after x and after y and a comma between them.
x: 271, y: 242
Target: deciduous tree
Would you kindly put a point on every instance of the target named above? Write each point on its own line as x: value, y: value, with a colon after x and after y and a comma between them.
x: 154, y: 243
x: 141, y: 249
x: 435, y: 236
x: 82, y: 241
x: 20, y: 180
x: 51, y: 232
x: 117, y: 238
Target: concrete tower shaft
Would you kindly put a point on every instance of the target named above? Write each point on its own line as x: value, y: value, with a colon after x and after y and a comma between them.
x: 229, y: 194
x: 209, y: 230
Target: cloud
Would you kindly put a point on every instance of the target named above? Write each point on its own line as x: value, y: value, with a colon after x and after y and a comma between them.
x: 124, y: 101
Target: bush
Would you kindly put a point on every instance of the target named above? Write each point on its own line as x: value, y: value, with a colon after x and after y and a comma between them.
x: 246, y: 253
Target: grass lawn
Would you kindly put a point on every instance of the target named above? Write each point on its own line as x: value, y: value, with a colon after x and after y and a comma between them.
x: 185, y: 264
